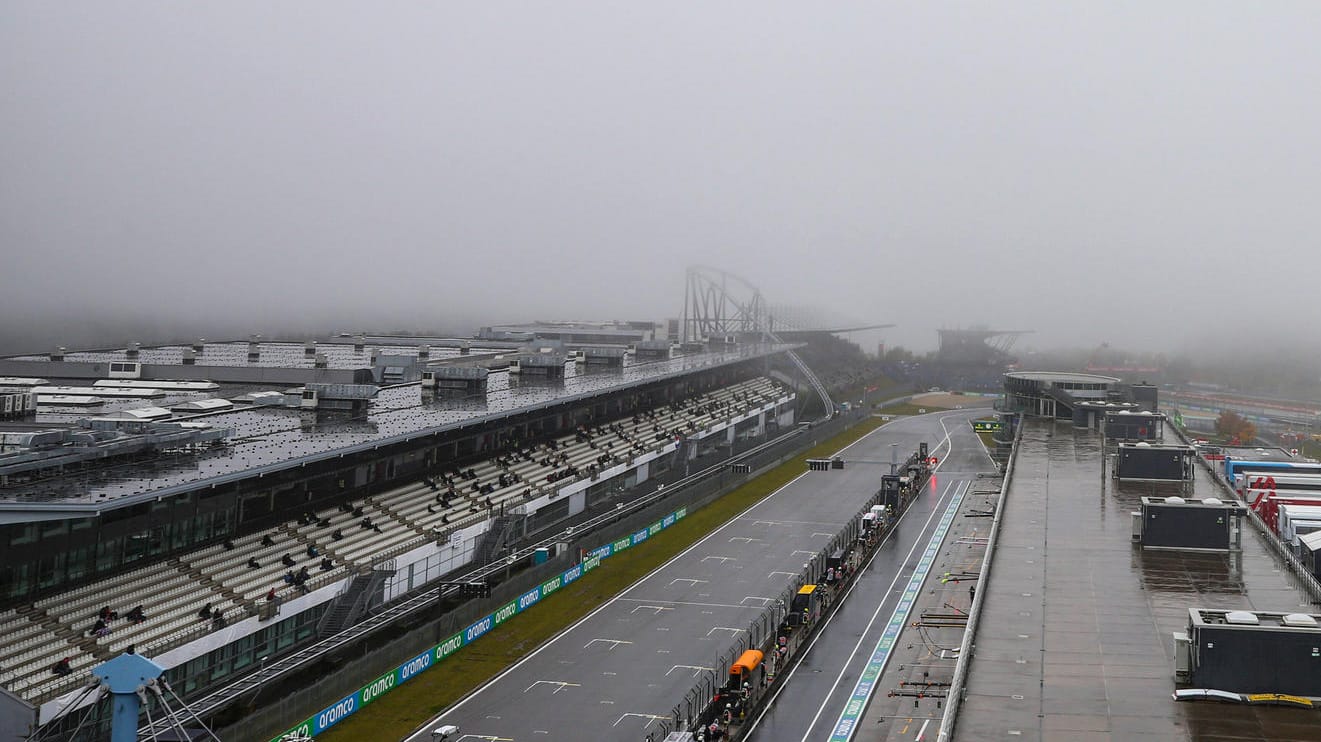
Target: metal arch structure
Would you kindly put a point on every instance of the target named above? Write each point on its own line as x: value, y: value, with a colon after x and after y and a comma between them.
x: 718, y: 303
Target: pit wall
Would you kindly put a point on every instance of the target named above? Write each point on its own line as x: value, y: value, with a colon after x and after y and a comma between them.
x: 437, y: 637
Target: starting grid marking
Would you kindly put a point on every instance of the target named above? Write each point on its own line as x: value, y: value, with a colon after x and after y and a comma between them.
x: 862, y: 692
x: 650, y: 719
x: 697, y: 669
x: 558, y: 684
x: 614, y: 643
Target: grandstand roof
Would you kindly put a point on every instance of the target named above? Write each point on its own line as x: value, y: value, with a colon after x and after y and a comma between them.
x: 339, y: 354
x: 269, y: 439
x: 1063, y: 377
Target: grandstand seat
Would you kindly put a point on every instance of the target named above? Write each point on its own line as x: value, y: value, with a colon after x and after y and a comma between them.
x: 171, y: 593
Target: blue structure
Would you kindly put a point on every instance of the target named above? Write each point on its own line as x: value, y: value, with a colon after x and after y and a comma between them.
x: 1235, y: 466
x: 124, y: 675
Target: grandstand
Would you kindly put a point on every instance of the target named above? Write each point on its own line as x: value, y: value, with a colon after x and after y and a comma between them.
x: 228, y: 530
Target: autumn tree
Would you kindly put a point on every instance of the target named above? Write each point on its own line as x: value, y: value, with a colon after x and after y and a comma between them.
x: 1235, y: 428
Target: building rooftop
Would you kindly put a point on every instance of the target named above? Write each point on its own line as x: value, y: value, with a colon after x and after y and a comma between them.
x: 1063, y: 376
x: 1253, y: 453
x: 1075, y: 638
x: 339, y: 354
x: 267, y: 439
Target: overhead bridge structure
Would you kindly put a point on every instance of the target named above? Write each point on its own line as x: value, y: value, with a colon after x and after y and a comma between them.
x: 719, y: 304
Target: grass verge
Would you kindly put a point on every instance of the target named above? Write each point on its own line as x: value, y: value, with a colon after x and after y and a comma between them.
x: 402, y: 710
x: 907, y: 408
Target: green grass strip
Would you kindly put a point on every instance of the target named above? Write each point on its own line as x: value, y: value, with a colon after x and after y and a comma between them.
x: 399, y: 712
x: 906, y: 408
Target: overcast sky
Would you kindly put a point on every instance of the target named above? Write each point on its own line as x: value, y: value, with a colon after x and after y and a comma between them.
x: 1074, y: 168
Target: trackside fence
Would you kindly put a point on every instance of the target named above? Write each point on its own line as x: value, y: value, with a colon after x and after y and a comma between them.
x: 954, y: 698
x: 695, y: 709
x: 434, y: 641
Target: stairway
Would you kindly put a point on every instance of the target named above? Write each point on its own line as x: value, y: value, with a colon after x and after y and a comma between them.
x: 827, y: 404
x: 348, y: 606
x: 493, y: 540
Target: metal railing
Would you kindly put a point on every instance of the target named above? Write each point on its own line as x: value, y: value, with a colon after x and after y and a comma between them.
x: 792, y: 441
x: 762, y: 629
x: 1291, y: 562
x: 828, y: 406
x: 954, y: 698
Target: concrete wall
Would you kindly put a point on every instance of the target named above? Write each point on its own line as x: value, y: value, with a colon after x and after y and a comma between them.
x: 375, y: 656
x: 17, y: 718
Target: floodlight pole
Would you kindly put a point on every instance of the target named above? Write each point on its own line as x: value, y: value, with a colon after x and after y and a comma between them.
x: 125, y: 675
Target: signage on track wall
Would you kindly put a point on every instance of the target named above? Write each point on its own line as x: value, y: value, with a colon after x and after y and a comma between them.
x: 345, y: 707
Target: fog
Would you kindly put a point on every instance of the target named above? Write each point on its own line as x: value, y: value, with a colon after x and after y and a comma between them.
x: 1143, y: 174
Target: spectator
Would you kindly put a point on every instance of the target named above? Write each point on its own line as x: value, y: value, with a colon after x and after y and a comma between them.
x: 62, y: 667
x: 253, y: 563
x: 366, y: 523
x: 266, y: 540
x: 326, y: 565
x: 311, y: 551
x: 289, y: 577
x: 106, y: 614
x: 136, y: 615
x: 337, y: 535
x: 287, y: 560
x: 218, y: 619
x: 270, y: 595
x: 99, y: 629
x: 204, y: 612
x: 229, y: 545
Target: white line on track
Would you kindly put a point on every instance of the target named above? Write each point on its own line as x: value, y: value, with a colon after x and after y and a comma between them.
x: 425, y: 728
x: 872, y: 622
x: 946, y: 441
x: 789, y: 678
x: 685, y: 602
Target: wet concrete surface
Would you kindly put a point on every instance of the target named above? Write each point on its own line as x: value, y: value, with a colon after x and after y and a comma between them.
x: 912, y: 689
x: 1075, y: 636
x: 618, y: 673
x: 817, y: 693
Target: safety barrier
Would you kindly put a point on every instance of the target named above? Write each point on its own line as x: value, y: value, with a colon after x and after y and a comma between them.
x: 1301, y: 574
x: 695, y: 491
x: 689, y: 713
x: 955, y: 696
x: 350, y: 704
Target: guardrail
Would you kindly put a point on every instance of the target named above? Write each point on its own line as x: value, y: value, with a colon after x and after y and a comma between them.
x: 1291, y: 562
x: 689, y: 713
x: 418, y: 601
x: 954, y: 698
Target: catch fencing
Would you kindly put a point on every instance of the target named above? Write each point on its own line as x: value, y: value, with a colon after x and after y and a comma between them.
x: 436, y: 639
